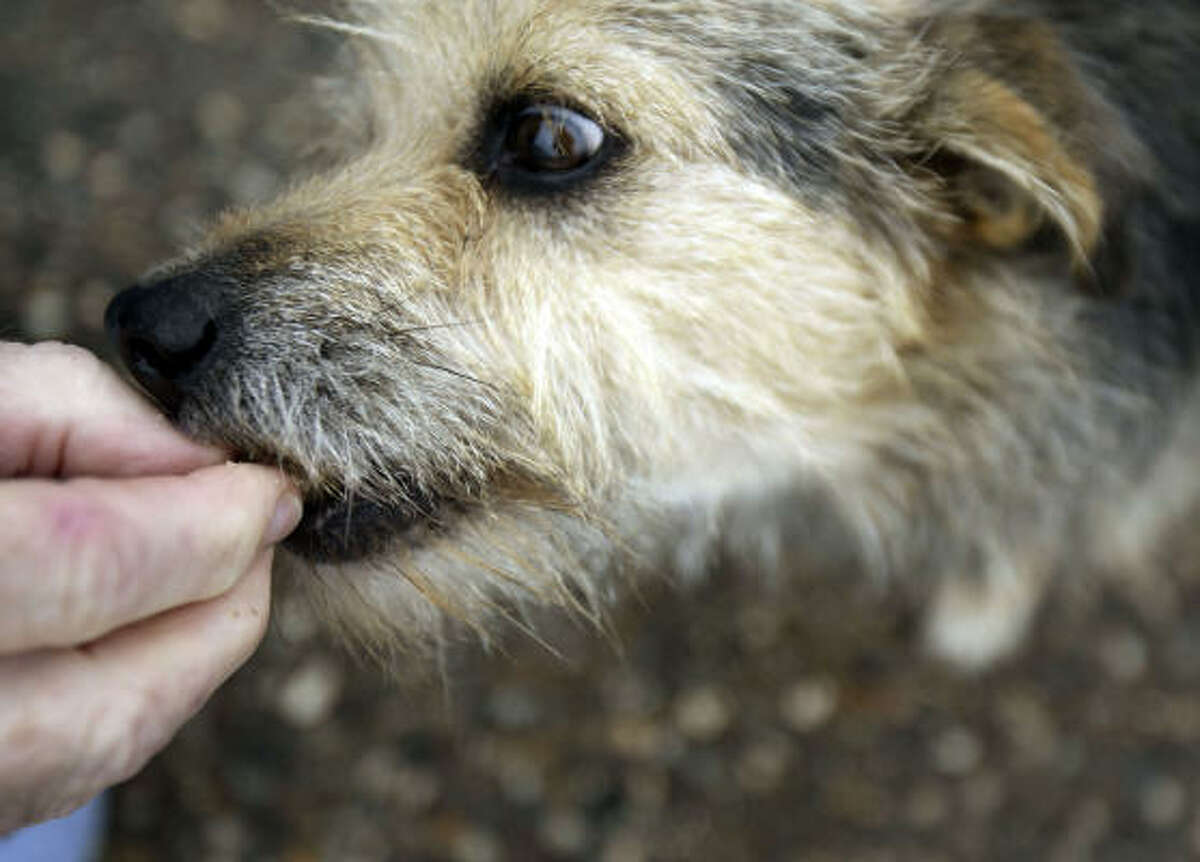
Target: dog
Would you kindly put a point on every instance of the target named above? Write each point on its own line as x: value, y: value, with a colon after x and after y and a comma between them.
x: 897, y: 290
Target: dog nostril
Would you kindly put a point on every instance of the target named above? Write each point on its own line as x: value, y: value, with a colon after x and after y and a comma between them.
x: 164, y: 333
x: 170, y: 355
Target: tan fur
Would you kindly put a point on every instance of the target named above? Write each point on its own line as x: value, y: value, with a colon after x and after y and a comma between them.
x: 652, y: 376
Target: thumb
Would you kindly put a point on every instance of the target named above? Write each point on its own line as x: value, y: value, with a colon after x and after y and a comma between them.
x: 81, y: 558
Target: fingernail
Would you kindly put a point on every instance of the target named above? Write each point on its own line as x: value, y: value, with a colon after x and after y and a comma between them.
x: 288, y: 512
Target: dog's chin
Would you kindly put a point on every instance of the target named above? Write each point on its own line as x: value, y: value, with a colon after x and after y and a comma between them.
x: 338, y: 528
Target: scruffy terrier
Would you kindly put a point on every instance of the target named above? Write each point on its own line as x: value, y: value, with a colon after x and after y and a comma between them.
x: 890, y: 289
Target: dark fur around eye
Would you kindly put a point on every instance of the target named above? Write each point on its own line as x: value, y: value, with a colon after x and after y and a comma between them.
x: 544, y: 147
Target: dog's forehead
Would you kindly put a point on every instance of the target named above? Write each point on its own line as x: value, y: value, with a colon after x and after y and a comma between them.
x: 472, y: 40
x: 675, y: 75
x: 448, y: 61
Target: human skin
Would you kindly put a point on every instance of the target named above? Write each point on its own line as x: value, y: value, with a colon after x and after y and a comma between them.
x: 134, y: 577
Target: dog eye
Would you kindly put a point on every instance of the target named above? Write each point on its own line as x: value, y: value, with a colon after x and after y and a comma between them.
x: 551, y: 140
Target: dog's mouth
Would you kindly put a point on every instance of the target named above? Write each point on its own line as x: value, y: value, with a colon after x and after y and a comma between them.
x: 338, y: 527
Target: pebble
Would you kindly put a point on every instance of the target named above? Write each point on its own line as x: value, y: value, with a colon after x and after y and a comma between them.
x: 648, y: 791
x: 381, y: 774
x: 13, y: 208
x: 1194, y: 836
x: 1162, y: 802
x: 927, y: 806
x: 294, y: 620
x: 107, y: 176
x: 1030, y: 728
x: 521, y: 779
x: 636, y: 738
x: 564, y: 832
x: 220, y: 118
x: 91, y: 300
x: 140, y: 133
x: 225, y: 838
x: 202, y: 20
x: 863, y: 802
x: 63, y: 155
x: 252, y: 182
x: 760, y: 626
x: 356, y: 836
x: 983, y: 794
x: 628, y: 693
x: 309, y: 695
x: 702, y: 713
x: 416, y: 789
x: 808, y: 704
x: 957, y: 752
x: 1183, y: 654
x: 473, y: 844
x: 514, y: 708
x: 763, y: 764
x: 1090, y: 822
x: 1124, y: 655
x: 624, y: 847
x: 46, y: 312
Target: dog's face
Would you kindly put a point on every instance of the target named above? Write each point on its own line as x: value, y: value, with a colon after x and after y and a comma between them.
x: 611, y: 273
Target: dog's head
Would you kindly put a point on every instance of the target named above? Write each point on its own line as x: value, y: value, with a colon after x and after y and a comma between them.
x: 611, y: 275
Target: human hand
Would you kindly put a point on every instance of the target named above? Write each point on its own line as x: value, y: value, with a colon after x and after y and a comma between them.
x: 134, y: 577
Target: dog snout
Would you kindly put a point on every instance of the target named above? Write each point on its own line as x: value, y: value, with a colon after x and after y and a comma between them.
x: 167, y: 332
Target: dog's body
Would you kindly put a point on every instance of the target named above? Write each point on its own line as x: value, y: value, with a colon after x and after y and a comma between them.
x: 785, y: 286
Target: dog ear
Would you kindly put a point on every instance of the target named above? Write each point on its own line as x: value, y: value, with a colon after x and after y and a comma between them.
x: 1009, y: 132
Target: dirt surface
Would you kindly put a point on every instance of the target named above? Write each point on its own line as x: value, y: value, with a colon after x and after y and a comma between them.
x: 726, y: 722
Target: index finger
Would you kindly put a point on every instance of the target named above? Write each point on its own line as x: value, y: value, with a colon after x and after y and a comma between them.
x: 65, y: 413
x: 85, y: 557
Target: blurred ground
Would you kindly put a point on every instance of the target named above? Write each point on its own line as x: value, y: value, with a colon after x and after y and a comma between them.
x: 719, y: 724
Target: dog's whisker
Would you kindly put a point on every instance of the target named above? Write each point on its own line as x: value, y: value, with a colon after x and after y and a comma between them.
x: 409, y: 330
x: 460, y: 374
x: 347, y: 28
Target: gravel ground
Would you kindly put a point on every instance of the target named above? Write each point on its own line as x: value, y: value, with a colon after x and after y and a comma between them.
x: 721, y: 723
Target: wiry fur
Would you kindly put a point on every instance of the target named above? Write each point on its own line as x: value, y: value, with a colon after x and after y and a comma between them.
x: 889, y: 288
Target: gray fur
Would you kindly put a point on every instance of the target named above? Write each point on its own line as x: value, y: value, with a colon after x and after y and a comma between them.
x: 901, y: 290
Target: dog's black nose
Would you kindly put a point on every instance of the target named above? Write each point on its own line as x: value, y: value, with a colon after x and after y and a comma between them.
x: 165, y: 331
